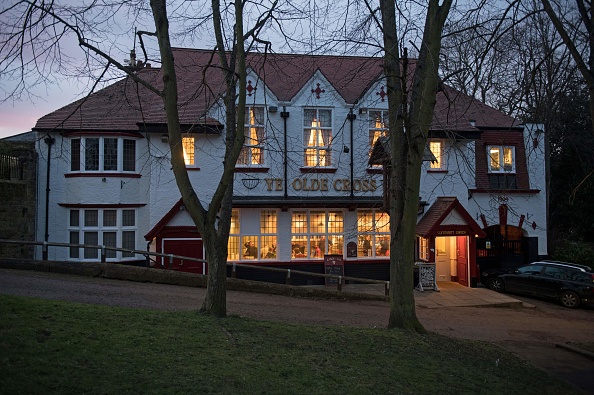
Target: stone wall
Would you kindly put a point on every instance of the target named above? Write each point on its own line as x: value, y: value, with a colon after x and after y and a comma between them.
x: 18, y: 200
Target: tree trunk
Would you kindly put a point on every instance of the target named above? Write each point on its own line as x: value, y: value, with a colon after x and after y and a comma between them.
x: 409, y: 126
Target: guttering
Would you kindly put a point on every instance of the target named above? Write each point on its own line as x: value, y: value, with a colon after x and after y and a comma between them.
x: 351, y: 117
x: 284, y: 115
x: 49, y: 141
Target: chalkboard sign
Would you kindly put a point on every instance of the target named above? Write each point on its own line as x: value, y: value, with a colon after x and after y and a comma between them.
x: 333, y: 264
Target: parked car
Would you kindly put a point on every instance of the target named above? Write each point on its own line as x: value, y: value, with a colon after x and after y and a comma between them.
x: 569, y: 283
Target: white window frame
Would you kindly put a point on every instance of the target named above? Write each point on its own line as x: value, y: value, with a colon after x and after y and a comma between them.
x: 377, y: 129
x: 501, y: 152
x: 80, y: 229
x: 238, y: 242
x: 250, y: 144
x: 189, y: 157
x: 441, y: 163
x: 323, y: 153
x: 378, y: 236
x: 309, y: 236
x: 101, y: 165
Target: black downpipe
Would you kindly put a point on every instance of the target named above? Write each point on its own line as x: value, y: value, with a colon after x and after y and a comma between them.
x: 351, y: 117
x: 284, y: 115
x: 49, y: 141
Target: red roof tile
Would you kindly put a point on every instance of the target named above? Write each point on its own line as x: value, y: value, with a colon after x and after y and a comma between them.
x: 124, y: 104
x: 438, y: 211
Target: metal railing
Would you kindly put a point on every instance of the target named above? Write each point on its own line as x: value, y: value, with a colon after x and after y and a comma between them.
x: 10, y: 168
x: 341, y: 280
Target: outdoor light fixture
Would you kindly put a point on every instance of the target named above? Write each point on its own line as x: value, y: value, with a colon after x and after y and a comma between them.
x: 165, y: 138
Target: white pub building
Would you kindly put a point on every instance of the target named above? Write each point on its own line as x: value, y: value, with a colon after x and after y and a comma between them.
x: 304, y: 187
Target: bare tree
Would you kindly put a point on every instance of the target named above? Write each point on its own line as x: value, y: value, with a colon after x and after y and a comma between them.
x: 34, y: 39
x: 574, y: 22
x: 409, y: 122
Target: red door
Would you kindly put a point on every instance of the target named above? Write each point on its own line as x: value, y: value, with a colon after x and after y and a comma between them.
x: 462, y: 260
x: 192, y: 248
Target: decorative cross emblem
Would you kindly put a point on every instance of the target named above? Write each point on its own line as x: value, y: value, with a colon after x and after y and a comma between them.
x: 250, y: 88
x: 381, y: 94
x: 318, y: 91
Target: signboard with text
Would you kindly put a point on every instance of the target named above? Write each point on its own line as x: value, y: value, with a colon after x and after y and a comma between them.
x: 333, y: 264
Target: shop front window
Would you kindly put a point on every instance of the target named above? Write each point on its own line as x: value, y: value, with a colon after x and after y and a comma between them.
x: 373, y: 238
x: 315, y: 233
x: 254, y: 247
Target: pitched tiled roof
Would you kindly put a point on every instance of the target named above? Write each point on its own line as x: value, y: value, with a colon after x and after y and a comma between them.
x: 124, y: 104
x: 438, y: 211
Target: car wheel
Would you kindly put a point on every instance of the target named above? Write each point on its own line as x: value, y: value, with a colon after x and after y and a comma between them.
x: 496, y: 284
x: 569, y: 299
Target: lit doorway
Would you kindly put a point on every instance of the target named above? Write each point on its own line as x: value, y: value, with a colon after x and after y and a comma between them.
x: 451, y: 259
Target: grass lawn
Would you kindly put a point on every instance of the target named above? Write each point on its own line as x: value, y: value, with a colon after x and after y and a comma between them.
x: 68, y: 348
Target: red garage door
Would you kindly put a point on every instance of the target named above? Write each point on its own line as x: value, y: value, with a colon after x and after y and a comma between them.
x: 192, y: 248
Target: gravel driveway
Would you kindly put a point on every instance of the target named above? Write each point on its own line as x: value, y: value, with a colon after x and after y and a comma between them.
x: 531, y: 333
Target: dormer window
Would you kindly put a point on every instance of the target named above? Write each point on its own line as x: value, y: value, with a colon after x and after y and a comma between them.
x: 501, y: 159
x: 317, y: 135
x: 437, y: 149
x: 188, y: 145
x: 252, y: 153
x: 378, y: 120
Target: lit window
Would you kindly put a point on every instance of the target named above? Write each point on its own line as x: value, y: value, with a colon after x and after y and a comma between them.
x: 188, y: 146
x: 378, y: 119
x: 317, y: 136
x: 102, y: 154
x: 436, y: 148
x: 252, y: 152
x: 316, y: 233
x: 253, y: 247
x: 423, y: 248
x: 106, y: 227
x: 501, y: 159
x: 373, y: 227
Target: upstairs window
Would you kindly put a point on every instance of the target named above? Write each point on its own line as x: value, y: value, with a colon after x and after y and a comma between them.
x: 102, y: 154
x: 252, y: 152
x: 317, y: 136
x: 188, y: 146
x: 437, y: 147
x: 378, y: 120
x: 501, y: 159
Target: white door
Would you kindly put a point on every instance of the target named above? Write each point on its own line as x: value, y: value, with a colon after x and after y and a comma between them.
x: 442, y: 258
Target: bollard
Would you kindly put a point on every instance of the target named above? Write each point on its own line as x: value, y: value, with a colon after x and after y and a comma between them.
x: 288, y: 276
x: 339, y: 283
x: 44, y: 251
x: 234, y: 271
x: 387, y: 288
x: 170, y: 261
x: 102, y: 254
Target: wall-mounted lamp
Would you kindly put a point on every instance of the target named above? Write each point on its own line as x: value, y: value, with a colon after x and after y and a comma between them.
x: 165, y: 138
x: 362, y: 110
x: 345, y: 149
x: 272, y: 109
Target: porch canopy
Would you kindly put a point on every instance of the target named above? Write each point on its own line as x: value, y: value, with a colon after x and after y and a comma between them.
x: 447, y: 217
